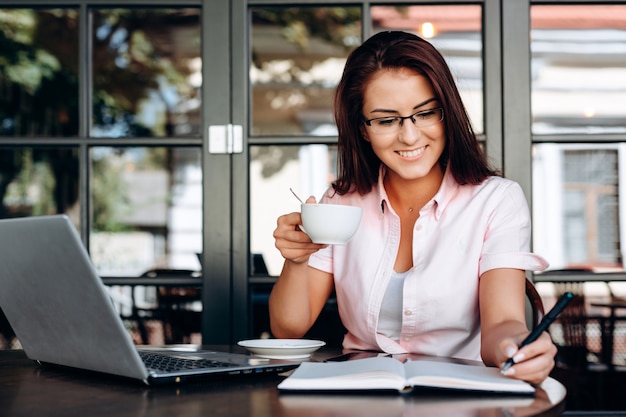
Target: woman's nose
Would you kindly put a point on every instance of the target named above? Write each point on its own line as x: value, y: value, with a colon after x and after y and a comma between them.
x: 409, y: 133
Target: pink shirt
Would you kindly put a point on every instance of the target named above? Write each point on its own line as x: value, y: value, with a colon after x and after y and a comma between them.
x: 461, y: 233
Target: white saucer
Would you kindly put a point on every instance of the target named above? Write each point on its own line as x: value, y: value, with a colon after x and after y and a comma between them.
x: 282, y: 348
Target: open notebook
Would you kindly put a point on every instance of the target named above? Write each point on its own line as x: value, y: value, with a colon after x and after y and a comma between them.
x: 62, y: 313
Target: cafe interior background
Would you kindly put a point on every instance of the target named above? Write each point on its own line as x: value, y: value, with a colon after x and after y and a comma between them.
x: 170, y: 133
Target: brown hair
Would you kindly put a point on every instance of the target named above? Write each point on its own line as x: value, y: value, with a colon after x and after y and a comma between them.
x: 358, y: 165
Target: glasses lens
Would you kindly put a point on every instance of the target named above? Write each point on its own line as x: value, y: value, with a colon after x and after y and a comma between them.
x: 427, y: 117
x: 421, y: 119
x: 386, y: 125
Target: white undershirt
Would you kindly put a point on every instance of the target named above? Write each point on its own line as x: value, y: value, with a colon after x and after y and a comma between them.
x: 390, y: 319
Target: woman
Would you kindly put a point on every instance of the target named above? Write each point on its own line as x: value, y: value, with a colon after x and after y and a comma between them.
x: 438, y: 263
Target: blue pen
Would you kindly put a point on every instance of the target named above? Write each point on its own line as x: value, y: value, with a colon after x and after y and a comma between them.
x: 543, y: 326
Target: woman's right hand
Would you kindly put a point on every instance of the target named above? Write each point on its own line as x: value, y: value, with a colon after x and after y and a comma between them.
x: 294, y: 245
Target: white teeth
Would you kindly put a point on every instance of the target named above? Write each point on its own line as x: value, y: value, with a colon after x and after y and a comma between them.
x: 411, y: 154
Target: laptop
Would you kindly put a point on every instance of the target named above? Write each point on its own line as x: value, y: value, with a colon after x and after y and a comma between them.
x: 62, y: 313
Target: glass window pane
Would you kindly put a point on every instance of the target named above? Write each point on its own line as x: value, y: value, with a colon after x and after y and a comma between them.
x: 146, y: 209
x: 577, y: 194
x: 146, y: 72
x: 39, y: 181
x: 456, y: 31
x: 308, y: 170
x: 578, y: 68
x: 297, y: 58
x: 38, y: 72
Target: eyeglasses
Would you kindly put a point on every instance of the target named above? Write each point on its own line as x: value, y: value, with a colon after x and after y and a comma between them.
x: 393, y: 124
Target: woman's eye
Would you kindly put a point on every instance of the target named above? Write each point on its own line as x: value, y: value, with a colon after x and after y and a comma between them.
x: 426, y: 114
x: 386, y: 122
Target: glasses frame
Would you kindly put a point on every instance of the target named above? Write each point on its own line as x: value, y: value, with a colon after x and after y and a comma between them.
x: 401, y: 120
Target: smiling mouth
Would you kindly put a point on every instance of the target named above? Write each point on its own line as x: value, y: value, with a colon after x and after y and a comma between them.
x: 411, y: 154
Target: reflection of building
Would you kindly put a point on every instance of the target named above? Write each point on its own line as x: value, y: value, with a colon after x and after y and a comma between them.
x: 577, y: 198
x: 578, y: 69
x: 162, y: 226
x: 579, y: 94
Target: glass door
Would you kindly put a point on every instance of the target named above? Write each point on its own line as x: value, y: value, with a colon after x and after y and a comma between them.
x: 105, y: 116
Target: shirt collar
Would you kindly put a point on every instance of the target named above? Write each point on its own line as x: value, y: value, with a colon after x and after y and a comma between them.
x: 448, y: 189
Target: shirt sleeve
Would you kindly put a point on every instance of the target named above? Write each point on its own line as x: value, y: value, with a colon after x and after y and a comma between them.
x: 507, y: 235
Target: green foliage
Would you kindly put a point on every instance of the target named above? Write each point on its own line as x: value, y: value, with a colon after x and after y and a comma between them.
x: 109, y: 201
x: 335, y: 25
x: 28, y: 183
x: 38, y: 72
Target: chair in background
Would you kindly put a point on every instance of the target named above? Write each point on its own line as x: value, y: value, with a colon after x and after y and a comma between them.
x: 578, y: 367
x: 258, y: 265
x: 173, y: 308
x: 534, y: 305
x: 574, y: 320
x: 6, y: 331
x: 612, y: 328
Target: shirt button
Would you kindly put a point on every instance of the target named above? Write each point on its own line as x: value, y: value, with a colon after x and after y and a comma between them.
x: 418, y: 227
x: 408, y: 312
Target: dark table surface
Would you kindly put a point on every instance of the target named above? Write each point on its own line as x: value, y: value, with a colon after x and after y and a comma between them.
x: 28, y: 389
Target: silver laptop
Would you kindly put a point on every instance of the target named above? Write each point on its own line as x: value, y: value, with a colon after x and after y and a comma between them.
x: 62, y: 313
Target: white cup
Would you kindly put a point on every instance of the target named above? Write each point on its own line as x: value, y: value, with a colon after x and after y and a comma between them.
x: 330, y: 223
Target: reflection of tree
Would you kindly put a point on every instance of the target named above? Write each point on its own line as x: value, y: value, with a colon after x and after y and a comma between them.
x: 38, y: 73
x: 109, y: 200
x: 39, y: 97
x: 53, y: 172
x: 9, y: 165
x: 336, y: 30
x: 133, y: 59
x: 335, y: 25
x: 273, y: 158
x: 321, y: 34
x: 39, y: 93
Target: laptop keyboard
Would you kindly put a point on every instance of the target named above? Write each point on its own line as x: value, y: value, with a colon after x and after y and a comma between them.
x: 164, y: 363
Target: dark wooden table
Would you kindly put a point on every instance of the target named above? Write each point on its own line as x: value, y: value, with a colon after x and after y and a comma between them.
x: 27, y: 389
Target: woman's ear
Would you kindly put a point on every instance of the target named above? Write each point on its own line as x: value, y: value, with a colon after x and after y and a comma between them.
x: 363, y: 131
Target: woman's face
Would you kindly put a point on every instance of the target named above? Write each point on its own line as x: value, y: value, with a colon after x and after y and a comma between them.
x: 408, y: 151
